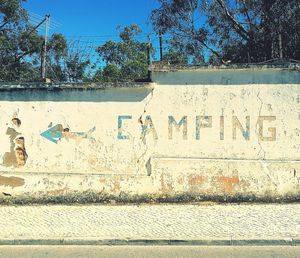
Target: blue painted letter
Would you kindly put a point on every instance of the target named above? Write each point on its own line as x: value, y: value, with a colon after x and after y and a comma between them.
x: 183, y: 122
x: 120, y: 130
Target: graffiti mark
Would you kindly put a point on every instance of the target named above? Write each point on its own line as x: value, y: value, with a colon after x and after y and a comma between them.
x: 57, y: 132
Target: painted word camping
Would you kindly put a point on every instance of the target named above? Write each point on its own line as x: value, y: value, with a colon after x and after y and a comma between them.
x: 202, y: 122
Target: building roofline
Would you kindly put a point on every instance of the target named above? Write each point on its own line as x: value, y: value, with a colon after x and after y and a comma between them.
x: 274, y: 64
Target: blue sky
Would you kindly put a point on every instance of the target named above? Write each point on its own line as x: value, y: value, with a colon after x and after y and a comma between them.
x: 92, y: 22
x: 92, y: 17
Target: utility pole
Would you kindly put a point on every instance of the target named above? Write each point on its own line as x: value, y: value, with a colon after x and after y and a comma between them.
x: 149, y: 57
x: 44, y: 55
x: 280, y: 46
x: 161, y: 46
x: 280, y: 42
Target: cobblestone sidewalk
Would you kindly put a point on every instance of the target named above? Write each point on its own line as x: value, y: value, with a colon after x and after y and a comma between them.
x: 232, y: 224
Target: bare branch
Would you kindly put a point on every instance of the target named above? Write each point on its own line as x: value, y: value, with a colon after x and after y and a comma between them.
x: 246, y: 12
x: 217, y: 54
x: 236, y: 25
x: 3, y: 25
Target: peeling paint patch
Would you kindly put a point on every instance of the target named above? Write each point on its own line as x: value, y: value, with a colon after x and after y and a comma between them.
x: 11, y: 181
x: 148, y: 167
x: 20, y: 151
x: 17, y: 156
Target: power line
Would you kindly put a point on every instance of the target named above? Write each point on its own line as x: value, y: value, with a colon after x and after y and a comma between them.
x: 143, y: 35
x: 37, y: 16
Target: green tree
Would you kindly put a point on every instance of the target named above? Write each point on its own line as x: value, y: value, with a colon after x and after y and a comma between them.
x: 75, y: 68
x: 125, y: 60
x: 11, y: 12
x: 19, y: 45
x: 239, y: 31
x: 58, y: 48
x: 21, y: 48
x: 57, y: 55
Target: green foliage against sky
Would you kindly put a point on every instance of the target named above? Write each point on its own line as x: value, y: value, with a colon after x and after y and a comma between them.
x: 125, y: 60
x: 21, y: 49
x: 15, y: 43
x: 235, y: 30
x: 195, y: 32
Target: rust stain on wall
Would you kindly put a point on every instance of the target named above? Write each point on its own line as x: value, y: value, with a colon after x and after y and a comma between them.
x: 227, y: 183
x: 11, y: 181
x: 180, y: 180
x: 57, y: 192
x: 102, y: 180
x: 166, y: 183
x: 116, y: 186
x: 195, y: 181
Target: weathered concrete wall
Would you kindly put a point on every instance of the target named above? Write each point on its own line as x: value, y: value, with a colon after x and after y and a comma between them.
x: 201, y: 140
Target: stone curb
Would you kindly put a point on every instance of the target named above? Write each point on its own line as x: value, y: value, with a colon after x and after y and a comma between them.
x: 158, y: 242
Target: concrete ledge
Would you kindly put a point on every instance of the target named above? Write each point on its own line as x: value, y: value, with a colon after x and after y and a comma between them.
x: 61, y: 86
x: 274, y: 64
x: 157, y: 242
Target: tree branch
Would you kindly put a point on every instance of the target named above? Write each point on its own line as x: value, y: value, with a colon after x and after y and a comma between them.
x: 236, y: 25
x: 20, y: 56
x: 217, y: 54
x: 3, y: 25
x: 246, y: 12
